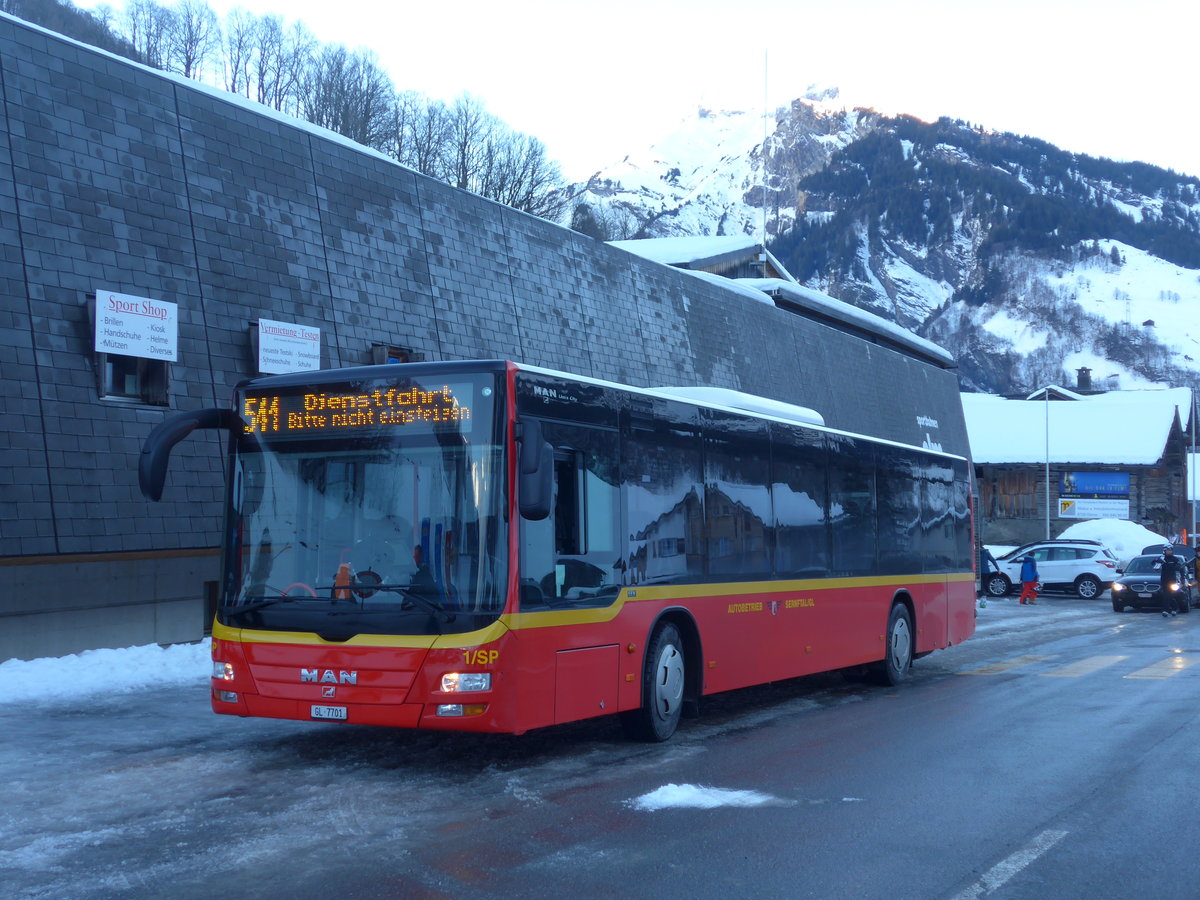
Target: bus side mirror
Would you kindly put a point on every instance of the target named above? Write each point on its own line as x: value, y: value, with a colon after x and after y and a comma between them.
x: 156, y: 452
x: 535, y: 471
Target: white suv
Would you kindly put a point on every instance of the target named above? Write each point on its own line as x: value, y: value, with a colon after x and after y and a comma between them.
x: 1086, y: 568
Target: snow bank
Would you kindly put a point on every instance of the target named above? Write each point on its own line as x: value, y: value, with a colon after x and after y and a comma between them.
x: 105, y: 671
x: 1124, y: 539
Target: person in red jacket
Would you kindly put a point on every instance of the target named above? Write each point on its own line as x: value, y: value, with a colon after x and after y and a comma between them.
x: 1029, y: 580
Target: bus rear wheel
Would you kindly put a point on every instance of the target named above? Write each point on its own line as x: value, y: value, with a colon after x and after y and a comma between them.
x: 898, y: 653
x: 663, y: 680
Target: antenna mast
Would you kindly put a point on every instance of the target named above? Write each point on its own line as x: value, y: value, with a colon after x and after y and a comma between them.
x: 763, y: 157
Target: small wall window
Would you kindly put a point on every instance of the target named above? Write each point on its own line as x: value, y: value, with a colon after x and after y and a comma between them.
x: 383, y: 354
x: 133, y: 378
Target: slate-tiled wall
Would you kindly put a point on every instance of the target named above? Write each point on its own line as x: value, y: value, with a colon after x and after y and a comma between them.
x: 118, y: 177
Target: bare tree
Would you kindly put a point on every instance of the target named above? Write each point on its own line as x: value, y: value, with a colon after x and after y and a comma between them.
x: 194, y: 37
x: 281, y: 59
x: 148, y: 29
x: 106, y: 16
x: 407, y: 107
x: 620, y: 223
x: 348, y: 93
x: 518, y: 173
x: 240, y: 44
x: 429, y: 134
x: 470, y: 131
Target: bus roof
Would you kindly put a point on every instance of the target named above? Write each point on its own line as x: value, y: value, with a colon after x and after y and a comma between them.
x: 706, y: 397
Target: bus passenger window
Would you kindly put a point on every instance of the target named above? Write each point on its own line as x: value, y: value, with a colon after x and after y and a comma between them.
x: 568, y: 511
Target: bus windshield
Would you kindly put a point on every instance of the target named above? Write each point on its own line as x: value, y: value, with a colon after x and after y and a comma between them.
x: 375, y: 527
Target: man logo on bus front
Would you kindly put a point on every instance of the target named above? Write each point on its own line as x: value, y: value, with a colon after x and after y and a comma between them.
x: 329, y: 676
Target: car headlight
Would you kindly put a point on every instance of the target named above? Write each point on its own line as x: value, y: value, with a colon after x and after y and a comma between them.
x: 1118, y: 587
x: 1174, y: 587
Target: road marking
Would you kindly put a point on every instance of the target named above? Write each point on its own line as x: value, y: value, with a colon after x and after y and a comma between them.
x: 995, y: 877
x: 1084, y: 667
x: 1006, y: 666
x: 1165, y: 668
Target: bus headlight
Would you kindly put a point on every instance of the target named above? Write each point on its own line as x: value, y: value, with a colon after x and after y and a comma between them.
x: 459, y: 682
x: 222, y: 671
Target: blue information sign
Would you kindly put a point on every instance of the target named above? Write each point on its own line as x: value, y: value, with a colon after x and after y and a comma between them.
x: 1094, y: 484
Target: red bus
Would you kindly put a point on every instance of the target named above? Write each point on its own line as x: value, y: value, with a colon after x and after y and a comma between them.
x: 493, y: 547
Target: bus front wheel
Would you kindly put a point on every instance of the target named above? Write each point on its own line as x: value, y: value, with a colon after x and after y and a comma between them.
x: 663, y: 679
x: 898, y: 653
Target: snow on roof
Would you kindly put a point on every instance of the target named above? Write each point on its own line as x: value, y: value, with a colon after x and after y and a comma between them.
x: 702, y: 250
x: 751, y: 402
x: 1115, y: 428
x: 1040, y: 393
x: 675, y: 251
x: 823, y: 304
x: 730, y: 284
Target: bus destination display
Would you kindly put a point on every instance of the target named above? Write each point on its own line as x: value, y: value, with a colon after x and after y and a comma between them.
x: 329, y: 411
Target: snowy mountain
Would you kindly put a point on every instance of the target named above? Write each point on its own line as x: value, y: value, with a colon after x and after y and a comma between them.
x: 706, y: 177
x: 1025, y: 261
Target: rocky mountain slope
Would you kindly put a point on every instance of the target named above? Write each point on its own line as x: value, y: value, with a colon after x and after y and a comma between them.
x: 1025, y: 261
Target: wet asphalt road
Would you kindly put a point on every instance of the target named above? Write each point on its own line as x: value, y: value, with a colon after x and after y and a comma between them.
x: 1057, y: 754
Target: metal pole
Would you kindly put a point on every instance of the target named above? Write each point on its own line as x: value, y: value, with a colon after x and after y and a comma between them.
x: 1047, y: 401
x: 766, y: 75
x: 1191, y: 469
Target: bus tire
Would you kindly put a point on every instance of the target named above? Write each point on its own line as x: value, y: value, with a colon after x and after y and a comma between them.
x: 898, y: 650
x: 663, y: 681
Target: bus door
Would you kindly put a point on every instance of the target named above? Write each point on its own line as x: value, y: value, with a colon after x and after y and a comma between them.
x: 571, y: 561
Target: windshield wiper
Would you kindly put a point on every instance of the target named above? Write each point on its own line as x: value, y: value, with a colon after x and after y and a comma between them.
x: 261, y: 601
x: 411, y: 596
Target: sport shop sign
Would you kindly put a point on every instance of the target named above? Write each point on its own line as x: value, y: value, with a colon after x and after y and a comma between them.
x: 136, y: 326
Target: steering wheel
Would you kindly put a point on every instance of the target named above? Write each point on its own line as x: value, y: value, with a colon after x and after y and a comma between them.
x: 287, y: 591
x: 365, y: 582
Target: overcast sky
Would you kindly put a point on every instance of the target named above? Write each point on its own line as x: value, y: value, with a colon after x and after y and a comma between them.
x: 595, y: 81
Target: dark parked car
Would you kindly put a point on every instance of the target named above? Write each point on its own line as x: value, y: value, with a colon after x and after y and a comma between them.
x: 1140, y: 586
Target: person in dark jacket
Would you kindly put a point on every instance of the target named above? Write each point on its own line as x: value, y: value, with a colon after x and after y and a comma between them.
x: 1172, y: 578
x: 987, y: 565
x: 1029, y: 580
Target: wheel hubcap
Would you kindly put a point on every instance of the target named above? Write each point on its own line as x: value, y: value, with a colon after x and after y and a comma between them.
x: 901, y: 643
x: 668, y: 682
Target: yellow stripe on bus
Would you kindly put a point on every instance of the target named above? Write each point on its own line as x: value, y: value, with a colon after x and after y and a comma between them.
x: 677, y: 592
